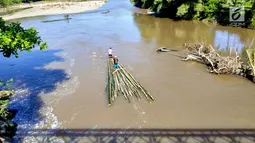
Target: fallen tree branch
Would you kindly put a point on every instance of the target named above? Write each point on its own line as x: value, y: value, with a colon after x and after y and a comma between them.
x: 206, y: 54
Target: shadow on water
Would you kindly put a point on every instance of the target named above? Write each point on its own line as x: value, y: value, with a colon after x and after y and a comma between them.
x: 31, y: 79
x: 144, y: 135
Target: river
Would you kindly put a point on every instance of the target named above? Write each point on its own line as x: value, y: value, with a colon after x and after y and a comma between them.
x: 64, y: 86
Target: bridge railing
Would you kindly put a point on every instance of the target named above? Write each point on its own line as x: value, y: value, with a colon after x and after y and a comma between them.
x: 142, y: 135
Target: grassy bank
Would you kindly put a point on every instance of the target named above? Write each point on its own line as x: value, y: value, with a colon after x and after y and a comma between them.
x: 11, y: 11
x: 5, y: 3
x: 209, y: 10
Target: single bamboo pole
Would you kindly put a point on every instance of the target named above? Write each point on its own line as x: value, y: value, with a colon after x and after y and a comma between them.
x: 109, y: 83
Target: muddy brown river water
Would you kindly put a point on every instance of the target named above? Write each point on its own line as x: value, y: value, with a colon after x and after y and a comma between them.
x: 64, y: 87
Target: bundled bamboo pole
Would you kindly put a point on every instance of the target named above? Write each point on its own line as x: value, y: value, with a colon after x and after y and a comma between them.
x: 120, y: 81
x: 137, y: 84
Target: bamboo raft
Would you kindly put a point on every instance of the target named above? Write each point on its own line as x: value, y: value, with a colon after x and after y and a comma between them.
x: 55, y: 20
x: 120, y: 81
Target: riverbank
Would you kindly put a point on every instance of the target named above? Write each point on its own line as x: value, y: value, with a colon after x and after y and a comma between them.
x: 208, y: 10
x: 48, y: 8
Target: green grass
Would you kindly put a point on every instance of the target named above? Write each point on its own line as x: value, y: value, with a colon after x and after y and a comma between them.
x: 11, y: 11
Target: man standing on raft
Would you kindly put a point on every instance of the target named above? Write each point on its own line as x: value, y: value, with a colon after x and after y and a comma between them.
x: 110, y: 52
x: 115, y: 61
x: 116, y: 64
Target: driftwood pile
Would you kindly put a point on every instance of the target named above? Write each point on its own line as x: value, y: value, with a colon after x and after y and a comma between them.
x: 121, y: 82
x: 206, y: 54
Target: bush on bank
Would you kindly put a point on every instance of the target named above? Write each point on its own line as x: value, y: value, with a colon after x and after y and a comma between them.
x: 212, y: 10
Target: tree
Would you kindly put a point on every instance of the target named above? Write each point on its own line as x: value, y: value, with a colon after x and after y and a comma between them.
x: 14, y: 38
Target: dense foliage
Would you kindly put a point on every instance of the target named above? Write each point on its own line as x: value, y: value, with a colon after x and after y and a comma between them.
x: 217, y: 10
x: 14, y: 38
